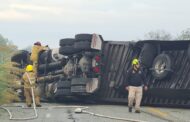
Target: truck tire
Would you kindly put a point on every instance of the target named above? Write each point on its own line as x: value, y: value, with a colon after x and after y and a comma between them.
x: 62, y: 92
x: 19, y: 56
x: 50, y: 66
x: 83, y: 37
x: 68, y: 50
x: 78, y: 89
x: 82, y: 45
x: 66, y: 42
x: 17, y: 65
x: 79, y: 81
x: 162, y: 66
x: 89, y: 54
x: 64, y: 84
x: 147, y: 55
x: 45, y: 57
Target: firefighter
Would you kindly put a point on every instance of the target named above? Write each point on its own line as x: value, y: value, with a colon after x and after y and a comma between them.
x: 29, y: 82
x: 135, y: 80
x: 36, y: 49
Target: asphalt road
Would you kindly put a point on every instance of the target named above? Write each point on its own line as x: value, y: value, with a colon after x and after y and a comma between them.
x: 66, y: 114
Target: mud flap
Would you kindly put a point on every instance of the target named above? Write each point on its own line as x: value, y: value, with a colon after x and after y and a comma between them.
x: 97, y: 42
x: 92, y: 85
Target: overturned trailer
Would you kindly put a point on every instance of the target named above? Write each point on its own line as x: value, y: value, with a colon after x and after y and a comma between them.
x: 89, y: 68
x: 167, y: 68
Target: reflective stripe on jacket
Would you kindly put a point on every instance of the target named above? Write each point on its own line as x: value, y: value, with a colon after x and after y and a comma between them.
x: 27, y: 84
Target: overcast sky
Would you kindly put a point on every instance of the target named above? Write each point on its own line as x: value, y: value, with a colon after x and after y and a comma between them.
x: 26, y: 21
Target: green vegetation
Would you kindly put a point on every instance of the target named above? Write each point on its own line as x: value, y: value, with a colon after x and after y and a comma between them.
x: 6, y: 79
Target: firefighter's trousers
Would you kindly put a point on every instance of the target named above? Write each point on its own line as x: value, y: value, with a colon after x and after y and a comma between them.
x: 135, y: 93
x: 28, y: 96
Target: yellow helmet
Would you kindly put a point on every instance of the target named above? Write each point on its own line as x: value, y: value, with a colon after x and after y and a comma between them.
x: 135, y: 61
x: 29, y: 68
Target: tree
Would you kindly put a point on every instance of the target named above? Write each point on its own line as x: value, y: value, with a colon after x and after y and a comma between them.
x: 6, y: 50
x: 158, y: 35
x: 185, y: 35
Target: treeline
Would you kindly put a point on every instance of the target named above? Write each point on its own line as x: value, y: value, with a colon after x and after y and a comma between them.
x: 6, y: 79
x: 164, y: 35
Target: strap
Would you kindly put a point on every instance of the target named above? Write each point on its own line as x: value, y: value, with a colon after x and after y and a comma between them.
x: 29, y: 78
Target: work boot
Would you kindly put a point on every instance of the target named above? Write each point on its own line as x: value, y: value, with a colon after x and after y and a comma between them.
x: 39, y: 105
x: 130, y: 109
x: 29, y: 105
x: 137, y: 111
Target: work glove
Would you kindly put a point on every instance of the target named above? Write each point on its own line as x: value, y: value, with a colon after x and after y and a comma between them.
x: 127, y: 88
x: 145, y: 88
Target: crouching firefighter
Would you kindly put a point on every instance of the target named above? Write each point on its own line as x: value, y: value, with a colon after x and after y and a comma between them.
x: 135, y: 80
x: 30, y: 82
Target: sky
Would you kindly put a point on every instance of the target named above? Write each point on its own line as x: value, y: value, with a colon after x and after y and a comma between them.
x: 26, y: 21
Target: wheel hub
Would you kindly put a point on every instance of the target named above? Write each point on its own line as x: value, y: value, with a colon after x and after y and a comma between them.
x: 160, y: 67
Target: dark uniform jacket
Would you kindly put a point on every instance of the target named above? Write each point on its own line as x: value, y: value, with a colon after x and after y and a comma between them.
x: 135, y: 78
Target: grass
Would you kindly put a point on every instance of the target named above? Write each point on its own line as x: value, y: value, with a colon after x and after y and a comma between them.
x: 7, y: 94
